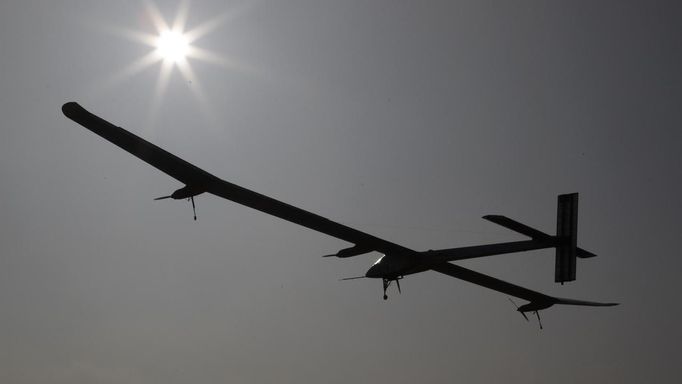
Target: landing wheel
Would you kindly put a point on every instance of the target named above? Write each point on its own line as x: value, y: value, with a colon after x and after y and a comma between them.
x: 386, y: 284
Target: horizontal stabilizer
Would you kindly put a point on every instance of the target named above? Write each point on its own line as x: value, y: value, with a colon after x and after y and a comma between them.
x: 517, y: 227
x: 565, y: 241
x: 531, y: 232
x: 583, y: 254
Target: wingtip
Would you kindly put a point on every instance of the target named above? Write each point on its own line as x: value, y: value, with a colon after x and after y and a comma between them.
x: 492, y: 217
x: 71, y: 108
x: 583, y: 302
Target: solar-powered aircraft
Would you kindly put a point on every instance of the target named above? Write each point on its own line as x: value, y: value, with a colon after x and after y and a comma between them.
x: 397, y: 261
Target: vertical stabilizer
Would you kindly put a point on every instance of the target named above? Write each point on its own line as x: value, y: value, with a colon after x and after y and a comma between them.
x: 567, y: 237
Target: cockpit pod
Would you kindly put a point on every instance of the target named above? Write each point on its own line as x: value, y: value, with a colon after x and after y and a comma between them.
x: 390, y: 267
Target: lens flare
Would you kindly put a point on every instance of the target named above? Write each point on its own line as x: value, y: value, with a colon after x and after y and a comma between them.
x: 172, y: 46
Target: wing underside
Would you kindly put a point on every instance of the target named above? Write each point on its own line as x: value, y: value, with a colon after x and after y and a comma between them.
x: 508, y: 288
x: 490, y: 282
x: 299, y: 216
x: 196, y: 177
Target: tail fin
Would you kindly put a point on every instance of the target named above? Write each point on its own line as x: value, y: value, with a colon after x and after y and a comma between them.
x: 567, y: 238
x: 565, y: 241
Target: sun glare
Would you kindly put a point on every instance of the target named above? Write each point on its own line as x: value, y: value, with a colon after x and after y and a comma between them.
x: 172, y: 46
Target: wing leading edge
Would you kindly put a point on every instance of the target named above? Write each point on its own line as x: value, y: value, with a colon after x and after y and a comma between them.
x: 198, y: 178
x: 537, y: 300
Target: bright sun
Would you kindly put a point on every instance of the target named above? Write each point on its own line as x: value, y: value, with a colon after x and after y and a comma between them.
x: 172, y: 46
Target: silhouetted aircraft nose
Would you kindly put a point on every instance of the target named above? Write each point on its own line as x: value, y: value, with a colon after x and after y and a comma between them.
x: 373, y: 272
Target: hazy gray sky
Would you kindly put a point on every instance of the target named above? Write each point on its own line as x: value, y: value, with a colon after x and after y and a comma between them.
x: 408, y: 120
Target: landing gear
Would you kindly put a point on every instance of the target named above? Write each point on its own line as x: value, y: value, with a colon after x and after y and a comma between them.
x: 387, y: 283
x: 537, y: 313
x: 194, y: 207
x: 523, y: 313
x: 187, y: 192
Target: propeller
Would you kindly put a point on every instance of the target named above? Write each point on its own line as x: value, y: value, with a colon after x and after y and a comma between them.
x: 352, y: 278
x: 537, y: 313
x: 517, y: 308
x: 191, y: 198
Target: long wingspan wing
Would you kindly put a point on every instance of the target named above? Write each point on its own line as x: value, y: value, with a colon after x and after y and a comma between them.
x: 299, y: 216
x: 194, y: 176
x: 537, y: 299
x: 490, y: 282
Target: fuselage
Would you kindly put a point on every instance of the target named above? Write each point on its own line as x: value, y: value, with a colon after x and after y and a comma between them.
x: 394, y: 266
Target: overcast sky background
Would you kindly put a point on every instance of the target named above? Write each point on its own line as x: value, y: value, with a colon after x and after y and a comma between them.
x: 408, y: 120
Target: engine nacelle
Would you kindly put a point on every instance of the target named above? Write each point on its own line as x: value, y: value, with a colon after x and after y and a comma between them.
x: 186, y: 192
x: 535, y: 306
x: 352, y: 251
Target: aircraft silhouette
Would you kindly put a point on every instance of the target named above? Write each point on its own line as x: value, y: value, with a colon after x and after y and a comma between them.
x: 397, y: 261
